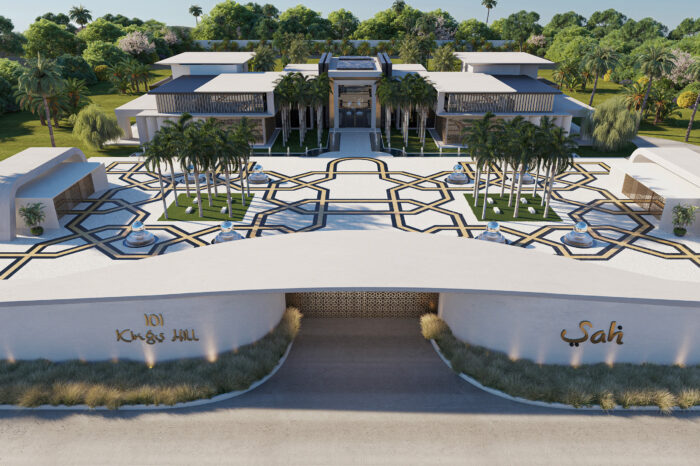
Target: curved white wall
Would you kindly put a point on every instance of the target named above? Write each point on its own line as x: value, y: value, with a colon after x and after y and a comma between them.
x: 87, y: 329
x: 529, y: 327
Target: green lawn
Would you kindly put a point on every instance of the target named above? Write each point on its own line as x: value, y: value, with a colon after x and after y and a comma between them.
x: 507, y: 212
x: 21, y: 130
x: 210, y: 213
x: 310, y: 141
x: 414, y: 142
x: 589, y: 151
x: 670, y: 129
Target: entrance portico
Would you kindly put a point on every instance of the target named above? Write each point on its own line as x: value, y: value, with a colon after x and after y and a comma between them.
x: 354, y: 103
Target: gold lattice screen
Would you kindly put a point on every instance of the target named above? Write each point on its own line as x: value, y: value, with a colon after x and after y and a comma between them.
x: 363, y: 303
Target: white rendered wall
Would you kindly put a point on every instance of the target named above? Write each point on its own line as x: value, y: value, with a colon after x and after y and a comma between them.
x: 184, y: 70
x: 88, y: 330
x: 530, y: 328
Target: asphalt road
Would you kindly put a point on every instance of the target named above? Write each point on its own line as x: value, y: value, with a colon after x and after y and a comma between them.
x: 353, y: 391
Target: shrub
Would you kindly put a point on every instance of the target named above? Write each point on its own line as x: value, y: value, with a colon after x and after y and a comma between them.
x: 74, y: 66
x: 614, y: 125
x: 103, y: 53
x: 94, y: 127
x: 102, y: 72
x: 687, y: 99
x: 32, y: 214
x: 683, y: 215
x: 10, y: 70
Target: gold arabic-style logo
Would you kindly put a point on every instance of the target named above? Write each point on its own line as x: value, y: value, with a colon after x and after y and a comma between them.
x: 596, y: 337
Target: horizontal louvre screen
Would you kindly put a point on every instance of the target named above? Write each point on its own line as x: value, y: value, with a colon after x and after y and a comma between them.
x: 211, y: 103
x: 499, y: 103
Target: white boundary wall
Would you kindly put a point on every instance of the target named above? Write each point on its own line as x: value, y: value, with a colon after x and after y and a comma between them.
x: 87, y: 329
x: 529, y: 327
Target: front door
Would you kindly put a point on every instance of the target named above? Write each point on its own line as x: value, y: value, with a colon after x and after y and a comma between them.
x: 355, y: 106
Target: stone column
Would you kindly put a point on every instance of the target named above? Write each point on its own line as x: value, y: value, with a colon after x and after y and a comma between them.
x: 374, y: 106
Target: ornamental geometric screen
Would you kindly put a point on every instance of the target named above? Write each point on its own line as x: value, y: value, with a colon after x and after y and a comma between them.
x: 399, y: 304
x: 643, y: 196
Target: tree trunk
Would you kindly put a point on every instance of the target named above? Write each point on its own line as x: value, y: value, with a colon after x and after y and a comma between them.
x: 228, y: 191
x: 504, y: 173
x: 162, y: 192
x: 48, y: 120
x: 595, y: 86
x: 486, y: 192
x: 240, y: 171
x: 644, y: 103
x: 247, y: 181
x: 172, y: 179
x: 549, y: 196
x: 387, y: 125
x: 477, y: 180
x: 319, y: 125
x: 209, y: 189
x: 199, y: 191
x: 521, y: 174
x: 547, y: 182
x: 692, y: 118
x: 214, y: 181
x: 186, y: 174
x: 488, y: 12
x: 512, y: 188
x: 537, y: 180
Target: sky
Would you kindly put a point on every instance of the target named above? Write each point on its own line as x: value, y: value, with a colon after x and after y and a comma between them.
x: 174, y: 12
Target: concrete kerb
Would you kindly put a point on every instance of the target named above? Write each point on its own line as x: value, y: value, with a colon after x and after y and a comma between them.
x: 544, y: 404
x: 186, y: 404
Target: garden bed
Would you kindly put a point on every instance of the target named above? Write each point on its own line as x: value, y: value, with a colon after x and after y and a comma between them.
x: 114, y: 384
x: 210, y: 213
x: 506, y: 214
x: 607, y: 386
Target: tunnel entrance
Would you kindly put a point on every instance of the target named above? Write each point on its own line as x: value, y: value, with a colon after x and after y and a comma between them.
x: 368, y: 304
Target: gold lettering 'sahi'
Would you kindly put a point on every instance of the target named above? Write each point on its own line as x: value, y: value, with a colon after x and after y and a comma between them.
x: 598, y: 336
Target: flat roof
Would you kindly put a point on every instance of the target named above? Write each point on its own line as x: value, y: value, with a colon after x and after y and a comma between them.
x: 208, y: 58
x: 521, y: 83
x: 242, y: 82
x: 182, y: 85
x: 662, y: 181
x: 679, y: 160
x: 501, y: 58
x: 329, y: 260
x: 52, y: 183
x: 305, y: 68
x: 450, y: 81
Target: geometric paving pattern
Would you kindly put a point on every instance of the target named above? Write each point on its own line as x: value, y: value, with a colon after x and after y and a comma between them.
x: 359, y: 193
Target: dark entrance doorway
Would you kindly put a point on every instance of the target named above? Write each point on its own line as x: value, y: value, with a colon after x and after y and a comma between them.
x: 355, y: 106
x: 399, y: 304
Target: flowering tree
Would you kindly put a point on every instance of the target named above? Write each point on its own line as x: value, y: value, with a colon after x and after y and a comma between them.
x: 170, y: 38
x: 680, y: 74
x: 537, y: 41
x: 136, y: 43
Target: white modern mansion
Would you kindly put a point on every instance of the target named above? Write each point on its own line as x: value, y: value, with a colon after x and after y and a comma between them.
x: 218, y: 84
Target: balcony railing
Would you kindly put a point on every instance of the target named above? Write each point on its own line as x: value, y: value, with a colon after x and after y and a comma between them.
x: 211, y: 103
x: 498, y: 103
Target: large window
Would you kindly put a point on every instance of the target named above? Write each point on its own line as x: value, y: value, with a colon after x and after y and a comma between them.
x: 498, y: 103
x: 211, y: 103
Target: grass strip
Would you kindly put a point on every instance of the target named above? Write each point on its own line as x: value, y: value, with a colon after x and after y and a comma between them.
x: 210, y: 213
x: 114, y: 384
x: 506, y: 214
x: 586, y: 385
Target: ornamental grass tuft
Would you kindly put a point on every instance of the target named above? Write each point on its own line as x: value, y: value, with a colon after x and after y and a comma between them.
x: 110, y: 384
x: 627, y: 385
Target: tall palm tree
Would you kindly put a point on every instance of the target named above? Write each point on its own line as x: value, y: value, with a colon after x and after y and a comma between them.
x: 80, y: 15
x: 284, y: 100
x: 229, y: 159
x: 477, y: 136
x: 487, y: 156
x: 510, y: 152
x: 408, y: 87
x: 562, y: 147
x: 175, y: 131
x: 425, y: 96
x: 598, y: 61
x: 319, y: 91
x: 654, y: 63
x: 527, y: 140
x: 694, y: 73
x: 246, y: 138
x: 388, y: 94
x: 544, y: 128
x: 156, y: 151
x: 489, y: 4
x: 302, y: 96
x: 196, y: 11
x: 41, y: 78
x: 194, y: 139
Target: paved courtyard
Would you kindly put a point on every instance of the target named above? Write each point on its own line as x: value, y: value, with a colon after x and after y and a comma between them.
x: 352, y: 193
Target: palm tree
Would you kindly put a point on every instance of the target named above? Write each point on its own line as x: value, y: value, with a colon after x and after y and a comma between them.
x: 425, y: 96
x: 142, y: 73
x: 193, y: 140
x: 527, y: 140
x: 284, y: 99
x: 156, y: 151
x: 76, y: 92
x: 694, y: 73
x: 489, y: 4
x: 264, y: 59
x: 634, y: 95
x: 510, y: 151
x: 654, y: 63
x: 229, y: 159
x: 319, y: 91
x: 196, y: 11
x: 477, y: 137
x: 408, y: 91
x: 561, y: 147
x: 444, y: 58
x: 41, y: 78
x: 302, y: 96
x: 175, y: 131
x: 544, y: 128
x: 246, y: 137
x: 598, y: 61
x: 80, y: 15
x: 388, y: 94
x: 487, y: 155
